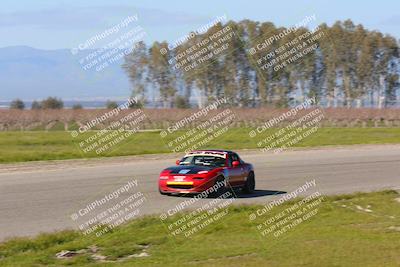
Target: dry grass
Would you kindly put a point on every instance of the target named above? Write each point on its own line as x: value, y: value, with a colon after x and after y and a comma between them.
x: 68, y: 119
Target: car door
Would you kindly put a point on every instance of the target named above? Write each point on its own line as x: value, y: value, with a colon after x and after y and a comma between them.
x: 242, y: 170
x: 235, y: 173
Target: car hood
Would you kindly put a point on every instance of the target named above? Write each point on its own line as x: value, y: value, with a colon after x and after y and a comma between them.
x: 189, y: 169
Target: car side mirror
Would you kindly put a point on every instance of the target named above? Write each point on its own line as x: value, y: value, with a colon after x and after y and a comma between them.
x: 177, y: 162
x: 235, y: 163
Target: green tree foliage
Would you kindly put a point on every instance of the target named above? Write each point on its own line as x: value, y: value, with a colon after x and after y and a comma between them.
x: 181, y: 102
x: 111, y: 104
x: 17, y: 104
x: 52, y: 103
x: 351, y: 67
x: 138, y: 104
x: 161, y: 74
x: 136, y: 66
x: 77, y: 106
x: 36, y: 105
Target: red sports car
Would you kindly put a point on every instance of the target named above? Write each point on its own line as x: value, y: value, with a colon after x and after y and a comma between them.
x: 207, y: 170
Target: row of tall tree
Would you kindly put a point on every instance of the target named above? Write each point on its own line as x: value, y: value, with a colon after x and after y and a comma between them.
x: 48, y: 103
x: 351, y: 67
x: 53, y: 103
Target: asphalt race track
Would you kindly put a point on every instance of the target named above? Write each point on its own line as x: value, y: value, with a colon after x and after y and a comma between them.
x: 40, y: 196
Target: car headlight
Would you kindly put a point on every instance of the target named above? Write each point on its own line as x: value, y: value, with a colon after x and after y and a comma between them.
x: 164, y: 177
x: 202, y: 172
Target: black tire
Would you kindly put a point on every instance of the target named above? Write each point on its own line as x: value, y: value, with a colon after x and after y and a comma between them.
x: 249, y: 186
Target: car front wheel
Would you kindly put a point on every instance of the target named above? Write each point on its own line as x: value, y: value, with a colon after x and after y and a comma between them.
x: 250, y: 184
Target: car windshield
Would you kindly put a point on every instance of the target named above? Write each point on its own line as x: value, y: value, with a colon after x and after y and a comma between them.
x: 203, y: 161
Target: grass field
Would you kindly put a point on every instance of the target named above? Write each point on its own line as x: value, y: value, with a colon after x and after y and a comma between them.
x: 41, y: 145
x: 350, y: 230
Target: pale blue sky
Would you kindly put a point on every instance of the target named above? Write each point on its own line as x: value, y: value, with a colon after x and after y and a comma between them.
x: 51, y: 24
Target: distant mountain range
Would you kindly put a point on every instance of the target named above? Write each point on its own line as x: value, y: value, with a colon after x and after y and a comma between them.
x: 30, y: 74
